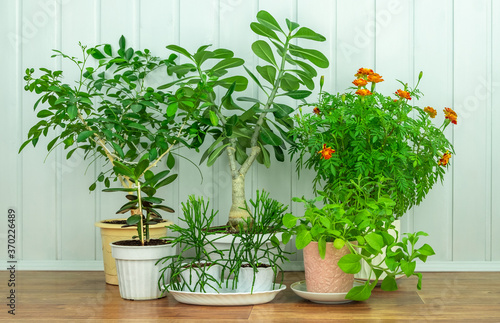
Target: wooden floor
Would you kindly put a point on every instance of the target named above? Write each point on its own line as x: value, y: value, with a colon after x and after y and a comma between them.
x: 84, y: 297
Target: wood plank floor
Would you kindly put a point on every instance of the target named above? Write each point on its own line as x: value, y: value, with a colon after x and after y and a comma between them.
x: 84, y: 297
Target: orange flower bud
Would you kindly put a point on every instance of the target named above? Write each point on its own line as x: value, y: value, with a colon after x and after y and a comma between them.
x: 316, y: 110
x: 375, y: 78
x: 363, y: 72
x: 360, y: 82
x: 403, y: 94
x: 450, y: 115
x: 326, y: 152
x: 363, y: 92
x: 445, y: 159
x: 431, y: 111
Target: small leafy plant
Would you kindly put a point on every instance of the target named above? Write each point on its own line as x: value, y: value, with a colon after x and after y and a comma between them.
x: 362, y: 223
x: 193, y: 256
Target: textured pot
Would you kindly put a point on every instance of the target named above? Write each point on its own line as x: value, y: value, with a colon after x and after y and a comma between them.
x: 264, y: 279
x: 192, y: 275
x: 114, y: 232
x: 324, y: 275
x: 137, y: 273
x: 366, y: 273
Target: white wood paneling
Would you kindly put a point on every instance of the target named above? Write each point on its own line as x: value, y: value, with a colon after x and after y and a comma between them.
x: 453, y: 42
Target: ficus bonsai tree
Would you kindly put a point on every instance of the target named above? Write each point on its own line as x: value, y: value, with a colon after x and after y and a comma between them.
x: 246, y: 134
x: 115, y: 117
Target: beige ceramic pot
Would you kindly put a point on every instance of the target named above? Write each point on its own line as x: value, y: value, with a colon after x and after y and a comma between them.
x: 114, y: 232
x: 324, y: 275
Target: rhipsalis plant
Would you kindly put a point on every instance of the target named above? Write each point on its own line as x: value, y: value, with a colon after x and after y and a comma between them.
x: 246, y: 134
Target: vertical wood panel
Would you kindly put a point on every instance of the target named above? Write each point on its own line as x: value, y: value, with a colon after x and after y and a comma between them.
x: 493, y: 90
x: 77, y: 217
x: 433, y: 33
x: 470, y: 66
x: 9, y: 107
x: 39, y: 177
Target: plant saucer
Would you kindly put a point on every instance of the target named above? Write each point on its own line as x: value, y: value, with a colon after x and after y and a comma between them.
x: 300, y: 289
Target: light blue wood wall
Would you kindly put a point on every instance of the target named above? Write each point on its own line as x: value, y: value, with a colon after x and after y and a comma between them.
x: 456, y: 44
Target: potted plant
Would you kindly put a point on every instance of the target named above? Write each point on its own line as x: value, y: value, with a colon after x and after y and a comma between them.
x: 364, y: 133
x: 194, y: 268
x: 113, y: 117
x: 346, y: 231
x: 256, y: 253
x: 245, y: 134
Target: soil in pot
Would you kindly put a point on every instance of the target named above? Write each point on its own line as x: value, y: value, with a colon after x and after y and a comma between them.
x: 151, y: 242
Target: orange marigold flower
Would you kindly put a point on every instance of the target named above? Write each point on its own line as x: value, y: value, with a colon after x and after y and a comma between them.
x: 403, y: 94
x: 444, y: 160
x: 431, y: 111
x: 363, y: 92
x: 326, y: 152
x: 360, y: 82
x: 316, y: 110
x: 363, y: 71
x: 375, y: 78
x: 451, y: 115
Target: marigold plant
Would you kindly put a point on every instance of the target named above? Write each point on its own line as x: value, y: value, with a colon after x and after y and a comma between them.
x: 371, y: 135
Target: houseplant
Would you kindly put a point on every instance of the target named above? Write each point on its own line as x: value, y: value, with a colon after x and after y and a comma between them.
x: 194, y: 268
x: 368, y: 137
x: 350, y: 231
x: 256, y: 254
x: 111, y: 115
x: 244, y: 133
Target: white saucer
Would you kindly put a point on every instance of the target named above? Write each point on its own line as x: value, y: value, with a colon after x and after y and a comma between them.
x: 300, y: 289
x: 226, y: 298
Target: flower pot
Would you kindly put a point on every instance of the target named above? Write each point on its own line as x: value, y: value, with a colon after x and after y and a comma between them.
x: 111, y: 232
x: 137, y: 271
x: 366, y: 272
x: 264, y: 279
x: 324, y: 275
x: 192, y: 274
x: 223, y: 243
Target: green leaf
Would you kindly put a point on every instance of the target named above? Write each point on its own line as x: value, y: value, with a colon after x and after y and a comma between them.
x: 141, y: 167
x: 164, y: 208
x: 278, y: 153
x: 270, y: 138
x: 312, y: 55
x: 426, y: 250
x: 338, y: 243
x: 134, y: 219
x: 92, y: 187
x: 215, y: 154
x: 303, y: 239
x: 72, y: 111
x: 44, y: 114
x: 289, y: 220
x: 375, y: 241
x: 291, y: 25
x: 350, y: 263
x: 179, y: 50
x: 170, y: 161
x: 121, y: 169
x: 95, y: 53
x: 107, y: 50
x: 254, y: 78
x: 268, y: 20
x: 119, y: 189
x: 137, y: 126
x: 136, y: 107
x: 289, y: 82
x: 240, y: 81
x: 268, y: 72
x: 360, y: 293
x: 408, y: 267
x: 262, y: 30
x: 264, y: 51
x: 166, y: 181
x: 307, y: 33
x: 172, y: 109
x: 129, y: 53
x: 282, y: 110
x: 297, y: 95
x: 121, y: 43
x: 419, y: 283
x: 389, y: 284
x: 201, y: 56
x: 156, y: 178
x: 227, y: 63
x: 265, y: 157
x: 213, y: 118
x: 306, y: 68
x: 82, y: 136
x: 117, y: 149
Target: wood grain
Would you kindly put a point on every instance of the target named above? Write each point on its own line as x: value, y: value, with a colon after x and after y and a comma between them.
x: 84, y: 297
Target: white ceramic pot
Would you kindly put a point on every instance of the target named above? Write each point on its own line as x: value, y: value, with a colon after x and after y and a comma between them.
x: 223, y: 242
x: 264, y: 279
x: 366, y: 272
x: 192, y: 275
x: 137, y: 273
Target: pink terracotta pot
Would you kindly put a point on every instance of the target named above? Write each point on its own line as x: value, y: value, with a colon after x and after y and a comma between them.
x: 324, y: 275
